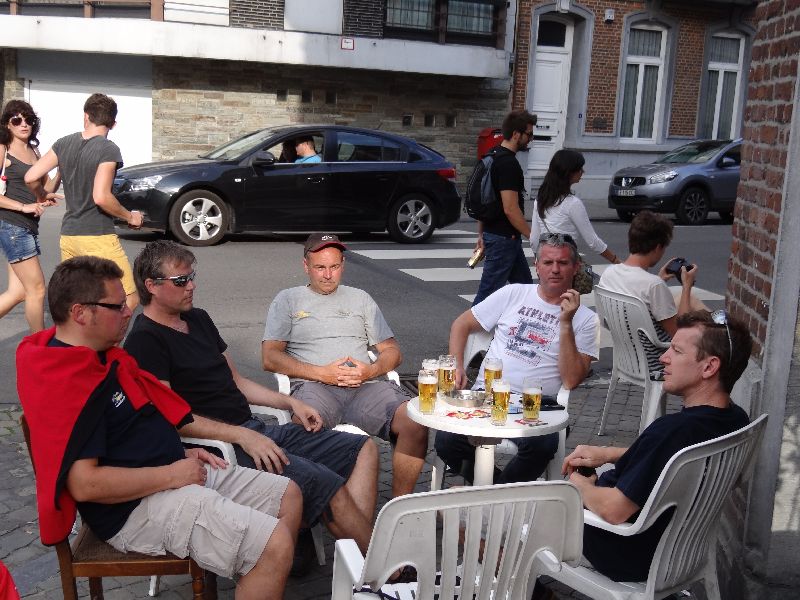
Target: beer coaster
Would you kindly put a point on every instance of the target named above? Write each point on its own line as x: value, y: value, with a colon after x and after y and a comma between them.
x: 530, y: 423
x: 478, y: 413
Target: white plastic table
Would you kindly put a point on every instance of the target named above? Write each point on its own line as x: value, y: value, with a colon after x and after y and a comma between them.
x: 483, y: 434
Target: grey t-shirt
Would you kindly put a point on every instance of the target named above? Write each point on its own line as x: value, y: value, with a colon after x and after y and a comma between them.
x: 78, y: 160
x: 321, y: 328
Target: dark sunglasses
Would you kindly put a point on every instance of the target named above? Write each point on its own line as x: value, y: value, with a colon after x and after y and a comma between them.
x: 720, y: 317
x: 108, y: 305
x: 178, y: 280
x: 17, y: 121
x: 558, y: 238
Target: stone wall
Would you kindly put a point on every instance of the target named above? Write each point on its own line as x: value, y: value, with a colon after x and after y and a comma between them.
x: 12, y: 86
x: 198, y: 105
x: 257, y: 14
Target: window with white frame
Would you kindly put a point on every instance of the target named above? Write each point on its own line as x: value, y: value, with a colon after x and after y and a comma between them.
x: 642, y: 83
x: 720, y: 113
x: 446, y: 21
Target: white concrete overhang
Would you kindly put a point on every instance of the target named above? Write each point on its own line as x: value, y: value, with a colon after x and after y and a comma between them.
x: 142, y: 37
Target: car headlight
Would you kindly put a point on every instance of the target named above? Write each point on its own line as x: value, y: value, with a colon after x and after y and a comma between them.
x: 144, y: 183
x: 662, y: 177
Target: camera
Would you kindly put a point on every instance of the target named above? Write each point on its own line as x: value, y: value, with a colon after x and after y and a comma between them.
x: 586, y: 471
x: 674, y: 267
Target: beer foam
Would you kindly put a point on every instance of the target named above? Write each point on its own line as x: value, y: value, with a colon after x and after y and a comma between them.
x: 532, y: 390
x: 429, y: 379
x: 498, y: 385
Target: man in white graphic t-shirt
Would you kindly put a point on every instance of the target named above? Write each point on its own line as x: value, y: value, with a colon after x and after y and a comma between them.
x: 540, y: 330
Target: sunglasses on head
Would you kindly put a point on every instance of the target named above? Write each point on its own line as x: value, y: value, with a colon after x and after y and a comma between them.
x: 178, y: 280
x: 720, y: 317
x: 558, y: 238
x: 18, y: 119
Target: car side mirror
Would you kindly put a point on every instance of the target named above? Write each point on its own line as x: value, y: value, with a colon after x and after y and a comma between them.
x: 727, y: 161
x: 264, y: 158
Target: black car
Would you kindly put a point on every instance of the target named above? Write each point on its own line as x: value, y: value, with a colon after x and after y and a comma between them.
x: 362, y: 180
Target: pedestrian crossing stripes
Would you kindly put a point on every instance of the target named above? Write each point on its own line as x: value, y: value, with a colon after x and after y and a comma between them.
x: 435, y: 253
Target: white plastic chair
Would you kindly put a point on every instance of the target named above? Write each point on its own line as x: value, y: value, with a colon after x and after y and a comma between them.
x: 477, y: 342
x: 516, y: 520
x: 625, y: 316
x: 696, y: 481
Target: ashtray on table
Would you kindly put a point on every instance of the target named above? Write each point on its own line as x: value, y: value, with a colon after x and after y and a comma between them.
x: 466, y: 398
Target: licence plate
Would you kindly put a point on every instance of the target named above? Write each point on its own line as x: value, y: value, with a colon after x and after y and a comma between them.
x: 625, y: 192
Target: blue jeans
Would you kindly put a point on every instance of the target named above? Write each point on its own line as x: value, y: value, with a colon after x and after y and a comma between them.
x: 505, y: 263
x: 18, y: 243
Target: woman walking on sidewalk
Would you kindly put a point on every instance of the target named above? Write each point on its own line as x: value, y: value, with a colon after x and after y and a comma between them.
x: 557, y: 210
x: 19, y: 213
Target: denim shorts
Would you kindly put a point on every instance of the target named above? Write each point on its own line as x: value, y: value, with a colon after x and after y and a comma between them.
x: 18, y: 243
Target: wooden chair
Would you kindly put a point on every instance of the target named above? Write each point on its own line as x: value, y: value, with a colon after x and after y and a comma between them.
x: 88, y: 556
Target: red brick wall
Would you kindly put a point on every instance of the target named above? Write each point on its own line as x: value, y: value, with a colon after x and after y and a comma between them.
x: 768, y: 113
x: 606, y: 56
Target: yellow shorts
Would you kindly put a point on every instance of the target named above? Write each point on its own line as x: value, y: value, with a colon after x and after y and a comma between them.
x: 104, y: 246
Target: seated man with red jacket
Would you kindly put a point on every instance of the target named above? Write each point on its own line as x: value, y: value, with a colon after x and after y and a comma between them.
x: 103, y: 439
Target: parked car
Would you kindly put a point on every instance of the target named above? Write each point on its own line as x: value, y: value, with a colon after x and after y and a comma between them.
x: 689, y: 181
x: 364, y: 181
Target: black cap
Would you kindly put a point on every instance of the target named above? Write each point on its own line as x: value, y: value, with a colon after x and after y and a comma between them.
x: 318, y: 241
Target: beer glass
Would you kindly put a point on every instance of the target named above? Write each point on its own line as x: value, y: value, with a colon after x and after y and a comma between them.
x: 426, y: 384
x: 501, y: 393
x: 430, y: 364
x: 492, y: 370
x: 531, y: 398
x: 447, y: 374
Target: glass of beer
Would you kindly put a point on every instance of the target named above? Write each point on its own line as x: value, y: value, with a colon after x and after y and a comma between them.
x: 430, y: 364
x: 426, y: 384
x: 501, y: 393
x: 531, y: 398
x: 492, y: 370
x: 447, y: 374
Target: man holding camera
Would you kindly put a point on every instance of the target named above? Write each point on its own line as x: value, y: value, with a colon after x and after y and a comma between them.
x: 648, y: 238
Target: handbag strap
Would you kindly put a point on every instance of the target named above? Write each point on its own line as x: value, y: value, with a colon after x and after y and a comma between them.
x: 5, y: 158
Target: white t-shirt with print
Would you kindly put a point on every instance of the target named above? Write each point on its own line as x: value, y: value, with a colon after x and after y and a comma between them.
x: 526, y: 335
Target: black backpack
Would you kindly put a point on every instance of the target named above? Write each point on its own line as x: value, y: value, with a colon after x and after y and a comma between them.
x: 481, y: 201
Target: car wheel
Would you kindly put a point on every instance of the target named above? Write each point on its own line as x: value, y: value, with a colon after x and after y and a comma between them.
x: 199, y: 218
x: 726, y: 216
x: 625, y: 215
x: 693, y: 206
x: 411, y: 219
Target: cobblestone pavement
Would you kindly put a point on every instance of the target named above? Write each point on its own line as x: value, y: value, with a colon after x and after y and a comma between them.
x: 35, y: 569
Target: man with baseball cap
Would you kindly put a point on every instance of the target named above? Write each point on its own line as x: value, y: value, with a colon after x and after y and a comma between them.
x: 319, y: 335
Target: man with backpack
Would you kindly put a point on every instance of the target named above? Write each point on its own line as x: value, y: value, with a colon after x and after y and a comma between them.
x: 501, y: 223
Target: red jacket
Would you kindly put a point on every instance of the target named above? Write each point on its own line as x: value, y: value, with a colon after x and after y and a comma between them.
x: 56, y: 388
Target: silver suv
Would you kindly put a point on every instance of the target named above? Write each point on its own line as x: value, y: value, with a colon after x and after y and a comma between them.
x: 690, y: 181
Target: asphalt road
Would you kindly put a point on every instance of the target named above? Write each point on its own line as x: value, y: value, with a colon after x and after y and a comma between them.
x: 418, y: 287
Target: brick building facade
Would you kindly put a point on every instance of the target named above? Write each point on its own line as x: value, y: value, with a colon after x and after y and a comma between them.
x: 595, y: 113
x: 763, y: 289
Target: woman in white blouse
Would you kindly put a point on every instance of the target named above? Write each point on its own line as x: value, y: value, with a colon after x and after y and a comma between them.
x: 557, y: 210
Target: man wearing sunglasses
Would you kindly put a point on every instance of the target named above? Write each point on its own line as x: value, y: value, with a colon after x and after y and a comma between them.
x: 707, y: 355
x: 501, y: 238
x: 540, y: 331
x: 181, y: 346
x: 88, y: 162
x: 104, y: 440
